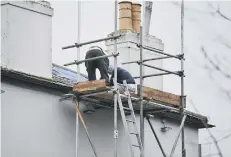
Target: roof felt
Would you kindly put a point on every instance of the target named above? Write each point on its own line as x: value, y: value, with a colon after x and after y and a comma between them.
x: 66, y: 75
x: 63, y: 79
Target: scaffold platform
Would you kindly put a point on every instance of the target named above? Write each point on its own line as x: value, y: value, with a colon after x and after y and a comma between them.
x: 98, y: 92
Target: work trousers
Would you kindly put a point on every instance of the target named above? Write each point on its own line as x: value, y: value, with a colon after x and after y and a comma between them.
x: 129, y: 81
x: 101, y: 64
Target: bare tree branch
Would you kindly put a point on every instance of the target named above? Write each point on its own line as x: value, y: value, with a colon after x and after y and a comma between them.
x: 227, y: 62
x: 221, y: 139
x: 227, y: 92
x: 221, y: 14
x: 216, y: 11
x: 215, y: 66
x: 210, y: 133
x: 227, y: 45
x: 177, y: 4
x: 210, y: 71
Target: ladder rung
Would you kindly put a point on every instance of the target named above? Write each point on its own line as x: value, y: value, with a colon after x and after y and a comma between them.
x: 126, y: 108
x: 130, y: 120
x: 133, y: 133
x: 127, y: 113
x: 135, y: 146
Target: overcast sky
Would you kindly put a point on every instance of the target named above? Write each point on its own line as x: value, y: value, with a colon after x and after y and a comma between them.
x: 201, y: 29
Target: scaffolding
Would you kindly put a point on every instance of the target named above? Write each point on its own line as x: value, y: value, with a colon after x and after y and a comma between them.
x: 140, y: 99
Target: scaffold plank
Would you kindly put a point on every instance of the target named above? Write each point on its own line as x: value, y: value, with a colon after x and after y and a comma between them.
x: 98, y: 89
x: 160, y: 96
x: 90, y: 87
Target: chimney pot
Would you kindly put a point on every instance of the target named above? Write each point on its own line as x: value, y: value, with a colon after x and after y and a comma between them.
x: 125, y: 15
x: 136, y: 14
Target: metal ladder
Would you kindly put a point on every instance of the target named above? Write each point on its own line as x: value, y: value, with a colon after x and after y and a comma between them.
x: 133, y: 121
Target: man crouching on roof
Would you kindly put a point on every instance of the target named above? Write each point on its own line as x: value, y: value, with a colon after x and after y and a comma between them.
x: 101, y: 64
x: 122, y: 75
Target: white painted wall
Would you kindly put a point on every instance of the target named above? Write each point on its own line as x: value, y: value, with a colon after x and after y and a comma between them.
x: 130, y: 52
x: 35, y: 123
x: 26, y: 37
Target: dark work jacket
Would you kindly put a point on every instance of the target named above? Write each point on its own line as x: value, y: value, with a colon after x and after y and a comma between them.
x: 96, y: 53
x: 122, y: 75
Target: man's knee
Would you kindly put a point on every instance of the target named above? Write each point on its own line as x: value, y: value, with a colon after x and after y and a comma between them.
x: 130, y: 81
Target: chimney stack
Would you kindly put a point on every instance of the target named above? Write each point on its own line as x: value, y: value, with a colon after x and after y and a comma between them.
x: 130, y: 36
x: 27, y: 36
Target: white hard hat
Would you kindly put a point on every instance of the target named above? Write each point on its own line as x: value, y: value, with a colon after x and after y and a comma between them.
x: 96, y: 47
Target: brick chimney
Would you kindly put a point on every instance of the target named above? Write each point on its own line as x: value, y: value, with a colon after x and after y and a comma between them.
x: 27, y: 36
x: 127, y: 47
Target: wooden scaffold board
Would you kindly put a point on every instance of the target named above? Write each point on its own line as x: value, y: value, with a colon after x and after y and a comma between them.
x: 100, y: 87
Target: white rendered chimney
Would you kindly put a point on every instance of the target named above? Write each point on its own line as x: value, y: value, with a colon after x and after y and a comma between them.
x: 128, y: 51
x: 27, y: 36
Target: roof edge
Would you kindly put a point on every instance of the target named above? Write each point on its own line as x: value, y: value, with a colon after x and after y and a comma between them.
x: 194, y: 118
x: 38, y: 80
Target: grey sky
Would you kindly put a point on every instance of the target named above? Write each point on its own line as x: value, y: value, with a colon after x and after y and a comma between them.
x: 200, y: 29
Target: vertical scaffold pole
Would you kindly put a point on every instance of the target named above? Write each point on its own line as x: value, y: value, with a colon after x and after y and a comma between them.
x: 115, y: 84
x: 141, y: 89
x: 141, y: 77
x: 182, y: 78
x: 78, y: 71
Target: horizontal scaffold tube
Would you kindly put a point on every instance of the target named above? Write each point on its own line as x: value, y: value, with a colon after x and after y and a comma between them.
x: 151, y: 75
x: 91, y: 59
x: 145, y: 60
x: 90, y: 42
x: 161, y: 52
x: 171, y: 72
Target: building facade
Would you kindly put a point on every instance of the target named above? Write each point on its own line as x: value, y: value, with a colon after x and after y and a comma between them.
x: 36, y: 123
x: 34, y: 120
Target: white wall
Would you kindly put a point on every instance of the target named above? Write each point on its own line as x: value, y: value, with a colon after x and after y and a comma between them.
x: 35, y: 123
x: 26, y: 37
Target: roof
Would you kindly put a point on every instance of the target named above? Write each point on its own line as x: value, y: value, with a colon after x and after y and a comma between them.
x: 65, y: 75
x: 7, y: 74
x: 63, y: 79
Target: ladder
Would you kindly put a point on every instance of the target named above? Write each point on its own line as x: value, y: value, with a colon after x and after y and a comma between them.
x: 132, y: 120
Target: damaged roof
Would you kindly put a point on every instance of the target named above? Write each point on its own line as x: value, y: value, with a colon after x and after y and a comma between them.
x: 63, y: 79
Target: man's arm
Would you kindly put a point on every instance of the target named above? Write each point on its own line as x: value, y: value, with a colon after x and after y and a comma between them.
x: 112, y: 77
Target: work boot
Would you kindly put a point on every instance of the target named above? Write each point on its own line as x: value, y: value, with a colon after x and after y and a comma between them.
x: 107, y: 82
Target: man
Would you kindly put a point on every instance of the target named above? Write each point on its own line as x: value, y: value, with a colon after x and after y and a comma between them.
x: 122, y: 75
x: 101, y: 64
